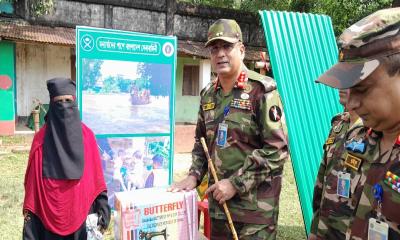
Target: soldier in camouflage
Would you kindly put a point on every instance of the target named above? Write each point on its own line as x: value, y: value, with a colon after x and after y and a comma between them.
x: 370, y: 67
x: 241, y: 117
x: 342, y: 124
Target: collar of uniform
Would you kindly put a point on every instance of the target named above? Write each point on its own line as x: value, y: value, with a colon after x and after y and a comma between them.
x: 239, y: 83
x: 358, y: 122
x: 383, y: 159
x: 378, y: 157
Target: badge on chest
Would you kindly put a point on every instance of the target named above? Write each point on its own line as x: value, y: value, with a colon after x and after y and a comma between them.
x: 330, y: 140
x: 353, y: 162
x: 222, y: 134
x: 343, y: 185
x: 208, y: 106
x: 393, y: 181
x: 356, y: 146
x: 244, y: 104
x: 377, y: 230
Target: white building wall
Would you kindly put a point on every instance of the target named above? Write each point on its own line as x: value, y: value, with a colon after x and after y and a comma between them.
x: 205, y: 73
x: 36, y: 63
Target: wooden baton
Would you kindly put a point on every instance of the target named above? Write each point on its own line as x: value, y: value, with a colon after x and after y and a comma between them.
x: 214, y: 174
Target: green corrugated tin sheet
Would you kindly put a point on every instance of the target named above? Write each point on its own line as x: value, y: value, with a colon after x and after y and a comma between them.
x: 301, y: 47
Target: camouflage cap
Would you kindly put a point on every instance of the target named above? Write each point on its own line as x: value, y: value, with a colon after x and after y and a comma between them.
x: 224, y: 29
x: 361, y: 46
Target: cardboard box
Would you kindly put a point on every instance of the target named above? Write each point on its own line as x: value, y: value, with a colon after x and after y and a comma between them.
x: 155, y: 214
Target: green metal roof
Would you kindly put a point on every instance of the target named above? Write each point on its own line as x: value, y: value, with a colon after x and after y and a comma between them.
x: 301, y: 47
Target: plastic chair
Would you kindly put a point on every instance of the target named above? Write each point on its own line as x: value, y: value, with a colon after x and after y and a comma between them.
x: 203, y: 208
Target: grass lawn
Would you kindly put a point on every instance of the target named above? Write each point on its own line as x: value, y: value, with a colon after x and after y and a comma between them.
x: 12, y: 170
x: 290, y: 223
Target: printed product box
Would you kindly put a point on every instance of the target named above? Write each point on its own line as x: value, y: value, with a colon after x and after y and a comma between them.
x: 155, y: 214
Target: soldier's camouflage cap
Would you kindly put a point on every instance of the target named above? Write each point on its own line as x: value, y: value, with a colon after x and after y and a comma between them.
x: 224, y: 29
x: 361, y: 46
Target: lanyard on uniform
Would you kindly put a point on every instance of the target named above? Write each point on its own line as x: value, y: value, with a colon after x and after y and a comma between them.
x: 226, y: 111
x: 378, y: 195
x: 222, y: 133
x: 378, y: 192
x: 392, y: 180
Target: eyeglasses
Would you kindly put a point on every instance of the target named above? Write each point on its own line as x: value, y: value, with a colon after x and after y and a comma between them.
x: 226, y: 47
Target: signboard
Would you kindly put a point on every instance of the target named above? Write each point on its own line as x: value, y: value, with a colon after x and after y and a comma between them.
x: 125, y: 83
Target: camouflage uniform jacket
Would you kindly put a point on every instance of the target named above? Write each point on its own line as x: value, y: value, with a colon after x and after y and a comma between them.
x: 331, y: 213
x: 374, y: 168
x: 337, y: 217
x: 255, y: 151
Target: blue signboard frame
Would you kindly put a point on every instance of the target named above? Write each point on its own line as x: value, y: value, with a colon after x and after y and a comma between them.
x: 126, y: 95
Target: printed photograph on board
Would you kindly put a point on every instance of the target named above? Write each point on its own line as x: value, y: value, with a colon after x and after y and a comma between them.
x: 123, y: 97
x: 134, y: 163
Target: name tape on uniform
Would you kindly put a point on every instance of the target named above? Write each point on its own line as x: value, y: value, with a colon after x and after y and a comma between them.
x: 208, y: 106
x: 353, y: 161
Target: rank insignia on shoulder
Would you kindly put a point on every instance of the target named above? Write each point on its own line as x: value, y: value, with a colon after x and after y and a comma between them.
x: 338, y: 128
x: 330, y: 140
x: 356, y: 146
x: 275, y: 113
x: 208, y: 106
x: 241, y: 103
x: 247, y: 88
x: 353, y: 161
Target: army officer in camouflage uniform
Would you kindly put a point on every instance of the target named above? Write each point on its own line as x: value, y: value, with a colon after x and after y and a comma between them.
x: 370, y: 162
x: 342, y: 124
x: 241, y: 118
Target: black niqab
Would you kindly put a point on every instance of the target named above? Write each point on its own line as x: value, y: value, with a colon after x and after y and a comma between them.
x: 63, y: 142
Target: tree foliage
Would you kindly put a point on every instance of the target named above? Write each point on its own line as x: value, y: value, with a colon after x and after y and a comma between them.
x: 116, y: 84
x: 343, y: 12
x: 216, y: 3
x: 41, y: 7
x: 156, y: 77
x: 124, y: 84
x: 91, y: 73
x: 110, y: 85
